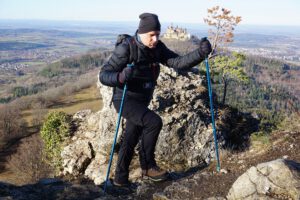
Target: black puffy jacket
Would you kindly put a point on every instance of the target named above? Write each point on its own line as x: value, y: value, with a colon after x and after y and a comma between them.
x: 146, y: 67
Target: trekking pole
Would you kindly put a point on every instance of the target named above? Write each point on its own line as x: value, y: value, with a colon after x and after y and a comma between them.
x: 116, y: 133
x: 212, y: 113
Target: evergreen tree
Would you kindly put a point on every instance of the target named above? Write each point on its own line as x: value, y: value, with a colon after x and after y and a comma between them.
x: 229, y: 65
x: 229, y: 68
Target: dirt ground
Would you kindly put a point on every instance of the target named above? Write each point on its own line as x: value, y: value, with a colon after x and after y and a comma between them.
x: 212, y: 184
x: 282, y: 145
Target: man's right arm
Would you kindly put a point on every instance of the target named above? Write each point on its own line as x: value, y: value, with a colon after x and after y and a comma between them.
x: 117, y: 62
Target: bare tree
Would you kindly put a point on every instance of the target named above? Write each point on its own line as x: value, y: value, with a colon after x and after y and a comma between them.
x: 222, y: 23
x: 11, y: 122
x: 28, y: 162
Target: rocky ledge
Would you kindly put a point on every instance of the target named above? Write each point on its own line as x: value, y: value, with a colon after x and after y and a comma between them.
x: 186, y: 139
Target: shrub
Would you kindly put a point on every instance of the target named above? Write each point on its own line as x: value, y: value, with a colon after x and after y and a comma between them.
x: 20, y: 91
x: 290, y: 123
x: 12, y: 125
x: 269, y: 120
x: 28, y: 163
x: 55, y: 130
x: 52, y: 70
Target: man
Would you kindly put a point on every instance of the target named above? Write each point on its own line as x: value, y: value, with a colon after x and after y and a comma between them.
x: 142, y: 123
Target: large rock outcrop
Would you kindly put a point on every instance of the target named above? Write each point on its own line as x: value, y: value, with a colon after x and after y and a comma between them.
x: 185, y: 141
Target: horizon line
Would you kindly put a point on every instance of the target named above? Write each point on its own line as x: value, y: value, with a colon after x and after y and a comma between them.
x: 134, y: 21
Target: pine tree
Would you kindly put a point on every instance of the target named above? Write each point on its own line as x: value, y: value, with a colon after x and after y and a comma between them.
x: 229, y: 65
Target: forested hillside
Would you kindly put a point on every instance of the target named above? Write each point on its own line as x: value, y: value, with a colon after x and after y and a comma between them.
x: 272, y: 92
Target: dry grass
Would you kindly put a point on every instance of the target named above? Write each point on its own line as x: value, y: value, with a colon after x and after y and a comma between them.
x: 88, y: 98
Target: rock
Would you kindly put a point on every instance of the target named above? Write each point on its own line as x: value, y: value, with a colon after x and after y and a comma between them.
x: 80, y: 115
x: 216, y: 198
x: 143, y: 189
x: 76, y: 161
x: 223, y: 171
x: 181, y: 189
x: 276, y: 178
x: 240, y: 161
x: 285, y: 157
x: 186, y: 139
x: 160, y: 196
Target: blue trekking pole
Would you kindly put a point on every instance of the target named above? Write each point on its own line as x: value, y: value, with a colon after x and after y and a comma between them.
x: 116, y: 133
x: 212, y: 113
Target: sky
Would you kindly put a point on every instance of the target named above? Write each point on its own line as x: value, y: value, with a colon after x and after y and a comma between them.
x: 253, y: 12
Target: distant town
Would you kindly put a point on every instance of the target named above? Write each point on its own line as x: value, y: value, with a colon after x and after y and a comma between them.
x: 20, y: 59
x: 68, y: 44
x: 269, y: 53
x: 179, y: 33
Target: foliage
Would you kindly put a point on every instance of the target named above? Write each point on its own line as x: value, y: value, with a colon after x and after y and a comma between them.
x: 268, y: 96
x: 85, y: 62
x: 264, y: 91
x: 223, y: 23
x: 260, y: 137
x: 229, y: 68
x: 75, y: 65
x: 20, y: 91
x: 52, y: 70
x: 227, y: 65
x: 290, y: 123
x: 55, y: 130
x: 269, y: 120
x: 5, y: 99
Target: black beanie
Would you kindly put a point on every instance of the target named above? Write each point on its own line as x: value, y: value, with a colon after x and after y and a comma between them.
x: 149, y: 22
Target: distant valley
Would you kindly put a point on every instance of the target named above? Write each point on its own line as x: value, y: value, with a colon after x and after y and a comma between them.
x: 28, y: 42
x: 281, y: 47
x: 26, y: 46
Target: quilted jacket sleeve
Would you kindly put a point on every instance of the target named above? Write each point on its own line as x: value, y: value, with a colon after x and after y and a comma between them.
x: 173, y: 60
x: 115, y: 64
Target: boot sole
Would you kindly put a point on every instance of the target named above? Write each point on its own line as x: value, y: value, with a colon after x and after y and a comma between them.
x: 160, y: 179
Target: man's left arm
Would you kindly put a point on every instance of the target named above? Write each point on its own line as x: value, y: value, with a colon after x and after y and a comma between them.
x: 189, y: 60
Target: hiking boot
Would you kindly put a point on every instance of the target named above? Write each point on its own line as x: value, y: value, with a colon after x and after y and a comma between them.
x: 127, y: 184
x: 155, y: 174
x: 123, y: 188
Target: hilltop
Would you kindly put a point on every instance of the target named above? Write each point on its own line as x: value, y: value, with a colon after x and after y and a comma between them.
x: 271, y: 100
x: 200, y: 182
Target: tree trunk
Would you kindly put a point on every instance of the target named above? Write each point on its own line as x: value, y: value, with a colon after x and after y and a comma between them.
x: 224, y: 90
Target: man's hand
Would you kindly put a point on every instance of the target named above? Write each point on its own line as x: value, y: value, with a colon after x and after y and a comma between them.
x: 205, y: 47
x: 125, y: 75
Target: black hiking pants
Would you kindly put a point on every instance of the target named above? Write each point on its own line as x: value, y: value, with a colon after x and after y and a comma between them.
x: 141, y: 124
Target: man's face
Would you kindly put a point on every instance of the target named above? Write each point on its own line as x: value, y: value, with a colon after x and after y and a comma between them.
x: 150, y: 39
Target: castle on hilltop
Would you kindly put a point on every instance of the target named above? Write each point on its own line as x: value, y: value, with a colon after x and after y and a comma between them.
x: 176, y: 33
